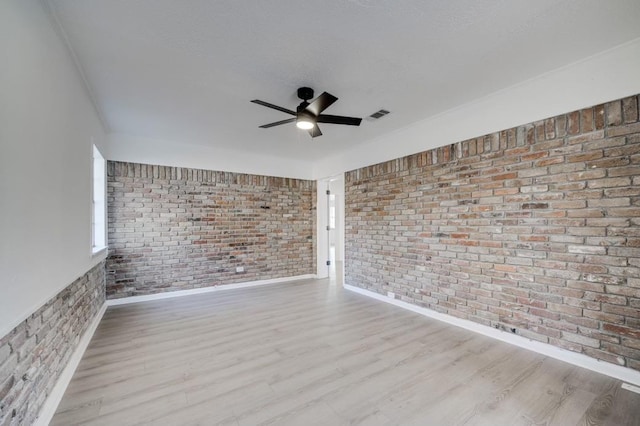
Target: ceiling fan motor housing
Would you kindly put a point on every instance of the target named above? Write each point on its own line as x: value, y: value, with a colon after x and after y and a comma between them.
x: 305, y: 93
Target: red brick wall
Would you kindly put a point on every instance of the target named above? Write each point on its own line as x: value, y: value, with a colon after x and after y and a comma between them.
x: 34, y: 354
x: 534, y: 230
x: 174, y: 228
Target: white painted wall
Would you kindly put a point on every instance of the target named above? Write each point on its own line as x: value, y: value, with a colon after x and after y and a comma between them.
x: 47, y: 122
x: 607, y: 76
x: 168, y: 153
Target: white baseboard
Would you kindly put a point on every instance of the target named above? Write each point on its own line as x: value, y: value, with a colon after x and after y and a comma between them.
x: 581, y: 360
x: 631, y: 388
x: 179, y: 293
x: 51, y: 403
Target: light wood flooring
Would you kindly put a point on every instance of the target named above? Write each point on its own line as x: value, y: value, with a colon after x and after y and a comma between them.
x: 310, y: 353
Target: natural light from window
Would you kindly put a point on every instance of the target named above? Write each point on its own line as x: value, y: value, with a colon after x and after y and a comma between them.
x: 98, y: 221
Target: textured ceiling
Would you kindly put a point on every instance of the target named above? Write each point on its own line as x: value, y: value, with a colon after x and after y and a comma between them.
x: 185, y: 71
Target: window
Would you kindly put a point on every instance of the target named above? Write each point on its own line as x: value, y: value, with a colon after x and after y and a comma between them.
x: 98, y: 219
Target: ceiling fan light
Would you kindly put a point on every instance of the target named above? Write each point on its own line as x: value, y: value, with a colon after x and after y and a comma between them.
x: 304, y: 123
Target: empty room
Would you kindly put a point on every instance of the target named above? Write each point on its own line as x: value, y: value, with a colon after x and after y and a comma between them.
x: 343, y: 212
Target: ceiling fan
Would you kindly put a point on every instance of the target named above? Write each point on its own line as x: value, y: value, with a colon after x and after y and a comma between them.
x: 308, y: 115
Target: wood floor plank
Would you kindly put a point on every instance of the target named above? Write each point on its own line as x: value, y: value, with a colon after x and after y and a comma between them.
x: 309, y: 353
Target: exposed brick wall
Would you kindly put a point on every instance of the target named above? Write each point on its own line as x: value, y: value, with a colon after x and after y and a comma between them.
x: 33, y: 354
x: 534, y: 230
x: 174, y: 228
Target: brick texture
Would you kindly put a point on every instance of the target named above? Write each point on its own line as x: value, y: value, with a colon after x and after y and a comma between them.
x: 174, y: 228
x: 534, y: 230
x: 33, y: 355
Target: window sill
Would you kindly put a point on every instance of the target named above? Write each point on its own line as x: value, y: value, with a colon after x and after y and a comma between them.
x: 98, y: 251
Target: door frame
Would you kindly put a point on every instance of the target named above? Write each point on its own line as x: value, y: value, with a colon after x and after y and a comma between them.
x: 335, y: 184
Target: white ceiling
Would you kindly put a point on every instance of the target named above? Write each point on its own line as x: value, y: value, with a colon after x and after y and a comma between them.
x: 185, y: 71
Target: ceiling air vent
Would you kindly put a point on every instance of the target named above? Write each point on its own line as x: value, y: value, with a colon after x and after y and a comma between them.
x: 379, y: 114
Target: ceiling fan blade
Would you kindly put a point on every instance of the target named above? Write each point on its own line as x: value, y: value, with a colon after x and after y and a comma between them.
x: 315, y: 131
x: 277, y: 123
x: 338, y: 119
x: 321, y: 103
x: 268, y: 105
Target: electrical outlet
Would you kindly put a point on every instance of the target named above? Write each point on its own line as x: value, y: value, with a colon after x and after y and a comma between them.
x: 391, y: 294
x: 239, y: 269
